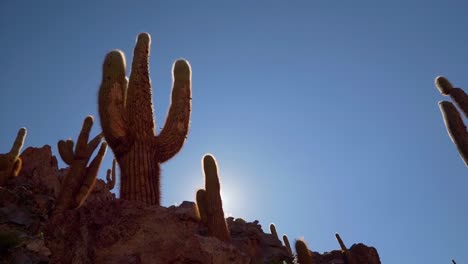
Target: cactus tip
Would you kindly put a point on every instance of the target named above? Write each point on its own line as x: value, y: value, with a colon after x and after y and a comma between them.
x: 144, y: 37
x: 443, y: 85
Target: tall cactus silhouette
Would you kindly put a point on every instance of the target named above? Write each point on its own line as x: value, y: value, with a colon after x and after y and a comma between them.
x: 209, y: 201
x: 126, y: 112
x: 453, y: 121
x: 10, y: 163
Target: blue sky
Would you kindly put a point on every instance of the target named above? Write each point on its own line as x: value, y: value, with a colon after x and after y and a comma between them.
x: 322, y: 115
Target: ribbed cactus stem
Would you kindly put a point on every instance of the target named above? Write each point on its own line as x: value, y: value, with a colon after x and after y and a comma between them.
x: 126, y: 111
x: 81, y: 177
x: 209, y: 201
x: 304, y: 256
x: 11, y: 163
x: 452, y: 119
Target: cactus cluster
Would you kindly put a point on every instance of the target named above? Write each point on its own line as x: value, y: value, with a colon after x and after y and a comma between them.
x: 10, y: 163
x: 452, y: 118
x: 126, y: 112
x: 209, y: 201
x: 80, y: 179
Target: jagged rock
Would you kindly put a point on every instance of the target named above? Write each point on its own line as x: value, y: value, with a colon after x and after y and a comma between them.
x: 261, y: 247
x: 41, y: 167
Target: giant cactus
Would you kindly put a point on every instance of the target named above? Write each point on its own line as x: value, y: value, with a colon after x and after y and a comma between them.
x: 10, y: 163
x: 80, y: 178
x: 126, y: 112
x: 453, y: 121
x: 209, y: 201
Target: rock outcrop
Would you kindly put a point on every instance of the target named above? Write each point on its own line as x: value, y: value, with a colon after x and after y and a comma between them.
x: 109, y: 230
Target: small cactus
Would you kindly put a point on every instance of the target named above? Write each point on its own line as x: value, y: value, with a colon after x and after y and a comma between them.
x: 344, y: 250
x: 210, y: 205
x: 110, y: 176
x: 10, y: 163
x: 453, y: 121
x: 126, y: 111
x: 304, y: 256
x: 80, y: 179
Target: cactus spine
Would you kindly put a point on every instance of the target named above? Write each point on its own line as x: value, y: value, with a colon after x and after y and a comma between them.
x: 80, y: 178
x: 110, y: 176
x: 209, y: 201
x: 128, y: 125
x: 10, y: 163
x: 303, y: 253
x: 453, y: 121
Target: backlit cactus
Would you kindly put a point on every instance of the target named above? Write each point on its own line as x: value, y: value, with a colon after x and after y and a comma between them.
x: 126, y: 112
x: 209, y: 201
x: 10, y: 163
x: 80, y: 179
x: 304, y: 256
x: 453, y: 121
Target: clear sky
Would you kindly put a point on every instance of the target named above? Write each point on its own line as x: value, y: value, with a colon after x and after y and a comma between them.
x: 322, y: 114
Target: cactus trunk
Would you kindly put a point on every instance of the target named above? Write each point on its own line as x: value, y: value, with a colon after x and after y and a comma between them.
x: 138, y: 175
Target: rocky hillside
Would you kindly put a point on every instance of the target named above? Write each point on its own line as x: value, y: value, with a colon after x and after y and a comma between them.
x: 110, y: 230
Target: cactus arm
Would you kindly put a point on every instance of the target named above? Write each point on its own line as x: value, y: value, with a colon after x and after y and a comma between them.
x: 461, y: 99
x: 17, y: 167
x: 303, y: 253
x: 273, y: 231
x: 201, y: 204
x: 10, y: 163
x: 92, y: 145
x: 287, y: 244
x: 455, y: 128
x: 90, y: 178
x: 175, y: 130
x: 66, y: 151
x: 18, y: 144
x: 82, y: 143
x: 139, y: 100
x: 112, y: 94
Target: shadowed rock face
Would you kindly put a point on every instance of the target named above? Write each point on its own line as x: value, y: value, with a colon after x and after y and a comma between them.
x: 108, y: 230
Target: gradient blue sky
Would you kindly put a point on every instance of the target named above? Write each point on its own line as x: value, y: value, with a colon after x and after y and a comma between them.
x: 322, y: 115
